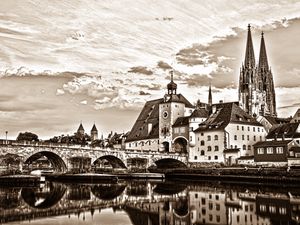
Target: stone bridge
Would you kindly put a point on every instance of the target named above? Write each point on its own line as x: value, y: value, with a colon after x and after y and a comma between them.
x: 62, y: 157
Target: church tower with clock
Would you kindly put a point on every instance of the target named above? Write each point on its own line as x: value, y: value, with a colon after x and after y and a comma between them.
x: 170, y: 109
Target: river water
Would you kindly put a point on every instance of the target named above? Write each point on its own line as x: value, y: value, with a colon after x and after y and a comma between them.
x: 149, y: 203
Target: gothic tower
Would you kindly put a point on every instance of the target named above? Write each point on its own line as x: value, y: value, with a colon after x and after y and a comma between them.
x: 256, y: 86
x: 265, y: 82
x: 247, y: 77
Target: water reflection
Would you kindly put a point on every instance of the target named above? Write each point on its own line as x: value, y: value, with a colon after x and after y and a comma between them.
x: 150, y: 203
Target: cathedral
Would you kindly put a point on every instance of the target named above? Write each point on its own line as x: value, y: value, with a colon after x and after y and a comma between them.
x: 256, y: 86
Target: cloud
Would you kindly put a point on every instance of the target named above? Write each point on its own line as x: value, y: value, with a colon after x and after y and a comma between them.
x: 84, y: 102
x: 60, y: 92
x: 163, y: 65
x: 140, y: 69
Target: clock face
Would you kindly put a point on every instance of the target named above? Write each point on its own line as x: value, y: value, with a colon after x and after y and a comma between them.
x: 165, y: 114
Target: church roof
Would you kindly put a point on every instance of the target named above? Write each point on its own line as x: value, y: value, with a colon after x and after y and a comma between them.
x: 288, y: 130
x: 94, y: 128
x: 224, y: 114
x: 263, y: 59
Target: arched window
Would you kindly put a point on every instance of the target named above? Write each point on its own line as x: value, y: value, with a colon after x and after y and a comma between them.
x: 208, y: 138
x: 244, y: 147
x: 208, y: 148
x: 202, y: 143
x: 216, y: 137
x: 202, y: 152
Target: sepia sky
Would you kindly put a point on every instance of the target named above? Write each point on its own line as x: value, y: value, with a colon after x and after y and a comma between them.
x: 66, y: 61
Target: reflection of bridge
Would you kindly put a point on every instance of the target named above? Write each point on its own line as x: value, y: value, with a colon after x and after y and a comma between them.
x: 66, y: 157
x: 56, y: 199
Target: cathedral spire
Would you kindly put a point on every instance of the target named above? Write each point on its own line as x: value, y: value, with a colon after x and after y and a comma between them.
x: 263, y: 59
x: 209, y: 95
x: 249, y: 56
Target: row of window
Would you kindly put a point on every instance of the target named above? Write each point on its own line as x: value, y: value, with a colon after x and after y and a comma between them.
x: 248, y: 128
x: 270, y: 150
x: 248, y: 138
x: 209, y: 157
x: 179, y: 130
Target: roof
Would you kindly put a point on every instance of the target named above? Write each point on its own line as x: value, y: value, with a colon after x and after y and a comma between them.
x: 276, y: 120
x: 271, y: 143
x: 181, y: 121
x: 224, y: 114
x: 245, y: 157
x: 288, y: 130
x: 80, y: 127
x: 94, y: 128
x: 200, y: 112
x: 295, y: 149
x: 149, y: 114
x: 181, y: 99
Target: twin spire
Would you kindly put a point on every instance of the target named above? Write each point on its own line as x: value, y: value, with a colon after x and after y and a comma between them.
x: 249, y: 56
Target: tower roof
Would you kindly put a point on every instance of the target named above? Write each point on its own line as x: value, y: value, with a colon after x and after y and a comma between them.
x: 94, y: 128
x: 249, y: 56
x: 209, y: 95
x: 263, y: 60
x: 80, y: 128
x: 172, y: 85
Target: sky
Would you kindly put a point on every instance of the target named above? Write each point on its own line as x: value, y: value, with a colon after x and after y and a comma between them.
x: 99, y: 61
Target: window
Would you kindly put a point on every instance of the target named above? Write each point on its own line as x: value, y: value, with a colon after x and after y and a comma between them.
x: 235, y: 137
x: 210, y: 217
x: 260, y: 138
x: 217, y: 197
x: 282, y: 210
x: 218, y: 207
x: 218, y: 218
x: 244, y: 147
x: 202, y: 152
x: 246, y: 208
x: 208, y: 138
x: 269, y: 150
x: 195, y: 158
x: 202, y: 134
x: 263, y: 208
x: 216, y: 137
x: 260, y: 151
x: 272, y: 209
x: 237, y: 127
x: 216, y: 148
x: 254, y: 138
x: 258, y: 129
x: 176, y: 130
x: 203, y: 201
x: 191, y: 138
x: 196, y: 195
x: 182, y: 130
x: 208, y: 148
x: 203, y: 211
x: 243, y: 137
x: 249, y: 147
x: 248, y: 128
x: 216, y: 157
x: 202, y: 143
x: 253, y: 129
x: 248, y: 138
x: 210, y: 206
x: 242, y: 127
x: 209, y: 158
x: 279, y: 150
x: 129, y: 145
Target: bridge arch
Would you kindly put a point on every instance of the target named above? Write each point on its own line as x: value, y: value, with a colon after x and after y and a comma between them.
x: 108, y: 192
x: 56, y: 161
x: 169, y: 163
x: 114, y: 161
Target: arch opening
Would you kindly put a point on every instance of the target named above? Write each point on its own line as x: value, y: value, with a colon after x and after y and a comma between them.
x: 169, y: 163
x: 137, y: 164
x: 108, y: 162
x: 166, y: 146
x: 47, y: 161
x: 180, y: 145
x: 108, y: 192
x: 79, y: 164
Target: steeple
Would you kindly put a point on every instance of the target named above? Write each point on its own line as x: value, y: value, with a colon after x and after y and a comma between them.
x: 263, y: 59
x: 172, y: 86
x: 94, y: 128
x: 249, y: 56
x: 209, y: 95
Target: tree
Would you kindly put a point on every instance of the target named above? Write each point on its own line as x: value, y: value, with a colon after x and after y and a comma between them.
x: 27, y: 136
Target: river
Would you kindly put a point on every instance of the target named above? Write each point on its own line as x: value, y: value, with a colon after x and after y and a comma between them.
x: 149, y: 203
